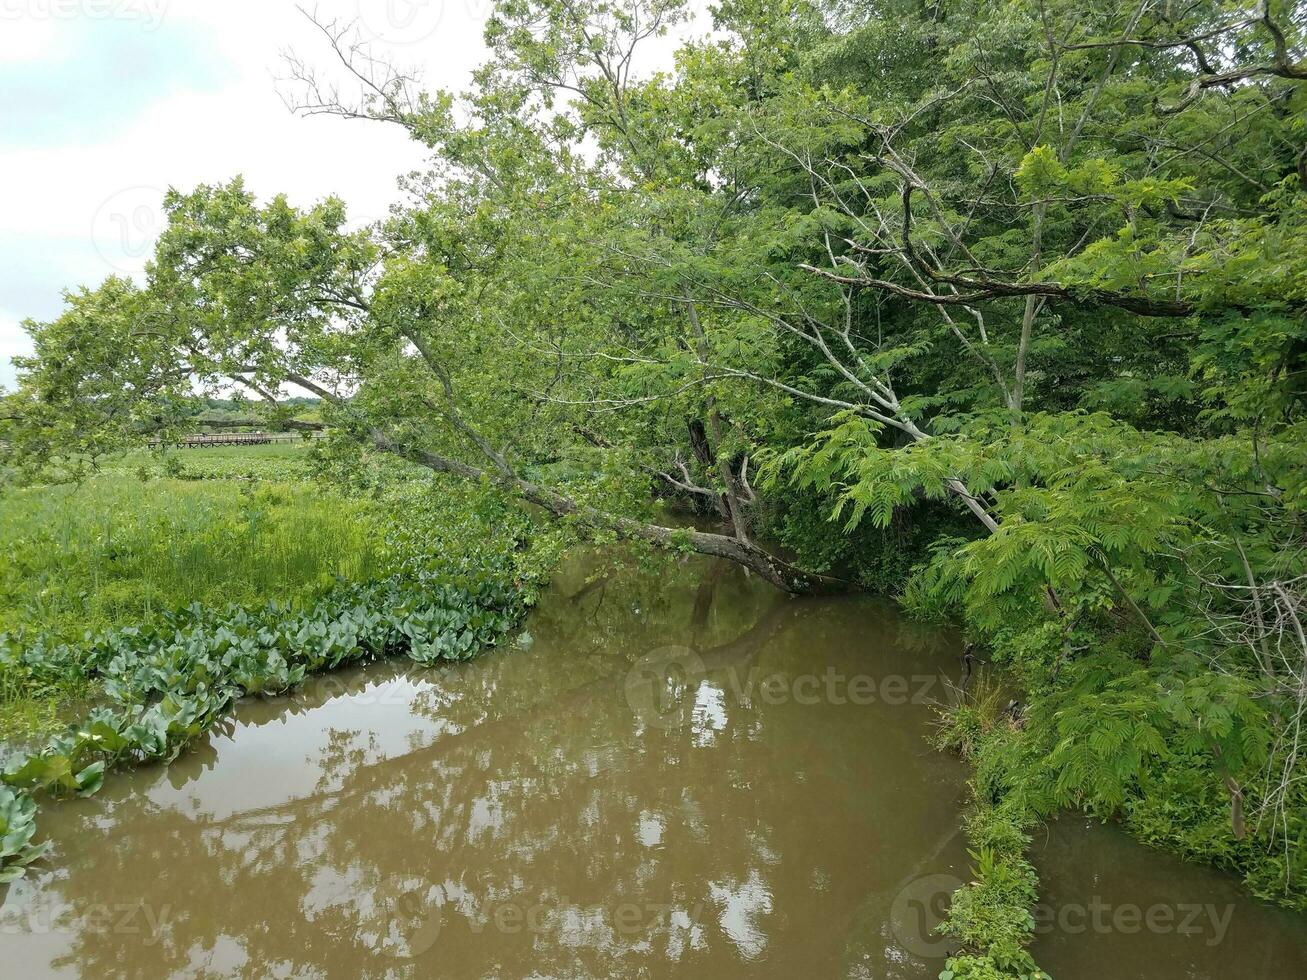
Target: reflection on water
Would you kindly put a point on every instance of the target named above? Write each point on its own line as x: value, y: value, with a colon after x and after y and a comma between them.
x: 1138, y: 914
x: 678, y: 773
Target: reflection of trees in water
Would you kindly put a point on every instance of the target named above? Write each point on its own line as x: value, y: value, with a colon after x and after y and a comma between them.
x: 548, y: 792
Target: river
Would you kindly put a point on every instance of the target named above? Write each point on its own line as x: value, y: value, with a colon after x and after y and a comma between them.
x: 672, y: 772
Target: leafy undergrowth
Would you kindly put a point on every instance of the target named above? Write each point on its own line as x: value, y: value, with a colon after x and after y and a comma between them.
x: 992, y: 914
x: 391, y: 564
x: 1145, y: 591
x: 167, y: 684
x: 1104, y: 742
x: 31, y: 708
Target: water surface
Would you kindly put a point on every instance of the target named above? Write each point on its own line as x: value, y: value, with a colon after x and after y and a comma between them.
x: 672, y: 773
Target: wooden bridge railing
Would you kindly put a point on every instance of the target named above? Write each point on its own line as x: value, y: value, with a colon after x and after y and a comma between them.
x: 202, y: 439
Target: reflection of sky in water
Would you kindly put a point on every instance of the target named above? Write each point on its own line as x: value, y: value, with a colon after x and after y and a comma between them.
x: 759, y: 840
x: 651, y: 829
x: 224, y: 958
x: 741, y: 909
x: 376, y: 722
x: 709, y: 716
x: 329, y: 887
x: 485, y: 817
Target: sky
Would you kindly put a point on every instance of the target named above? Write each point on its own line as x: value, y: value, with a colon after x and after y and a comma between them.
x: 104, y: 104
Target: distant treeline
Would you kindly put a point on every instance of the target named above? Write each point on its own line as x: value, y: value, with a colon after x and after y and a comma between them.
x: 223, y: 412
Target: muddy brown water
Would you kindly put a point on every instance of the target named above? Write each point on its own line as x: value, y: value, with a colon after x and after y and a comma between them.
x: 672, y: 773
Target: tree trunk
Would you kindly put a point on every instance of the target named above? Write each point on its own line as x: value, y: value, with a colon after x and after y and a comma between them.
x: 771, y: 568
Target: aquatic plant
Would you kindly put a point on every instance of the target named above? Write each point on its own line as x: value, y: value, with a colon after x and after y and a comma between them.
x: 169, y: 683
x: 17, y: 827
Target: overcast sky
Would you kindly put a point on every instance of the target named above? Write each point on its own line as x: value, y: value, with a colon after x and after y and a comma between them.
x: 106, y: 103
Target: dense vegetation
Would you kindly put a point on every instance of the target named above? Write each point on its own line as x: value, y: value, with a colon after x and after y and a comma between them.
x: 136, y: 614
x: 1000, y: 306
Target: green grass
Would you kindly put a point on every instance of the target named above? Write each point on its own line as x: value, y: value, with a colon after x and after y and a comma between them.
x: 115, y: 551
x: 278, y: 461
x: 29, y: 710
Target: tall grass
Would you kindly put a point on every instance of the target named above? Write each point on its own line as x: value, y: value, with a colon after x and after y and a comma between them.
x: 115, y: 550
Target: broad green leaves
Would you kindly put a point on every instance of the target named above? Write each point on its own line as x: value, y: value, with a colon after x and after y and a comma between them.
x: 17, y: 828
x: 1015, y: 290
x: 170, y: 684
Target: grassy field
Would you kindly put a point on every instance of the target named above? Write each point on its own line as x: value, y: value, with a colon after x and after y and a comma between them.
x: 279, y: 461
x: 234, y: 525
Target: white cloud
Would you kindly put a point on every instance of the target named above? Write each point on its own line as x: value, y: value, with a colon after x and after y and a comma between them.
x: 244, y: 127
x: 95, y: 207
x: 79, y: 211
x: 26, y: 40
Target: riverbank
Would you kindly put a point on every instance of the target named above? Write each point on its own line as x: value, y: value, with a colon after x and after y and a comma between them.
x: 384, y: 566
x: 135, y: 616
